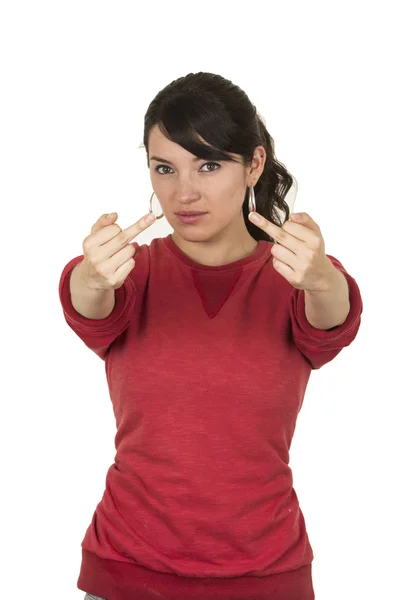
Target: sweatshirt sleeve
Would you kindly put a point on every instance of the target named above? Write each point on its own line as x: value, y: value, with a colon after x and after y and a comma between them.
x: 97, y: 334
x: 320, y: 346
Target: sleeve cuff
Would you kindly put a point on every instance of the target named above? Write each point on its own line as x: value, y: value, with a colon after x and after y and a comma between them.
x: 349, y: 327
x: 75, y: 319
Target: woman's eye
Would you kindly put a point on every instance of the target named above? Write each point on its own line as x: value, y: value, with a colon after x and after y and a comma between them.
x: 212, y: 163
x: 161, y: 167
x: 208, y: 163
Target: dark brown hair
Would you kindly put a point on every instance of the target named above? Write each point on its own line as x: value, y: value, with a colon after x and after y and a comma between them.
x: 212, y: 107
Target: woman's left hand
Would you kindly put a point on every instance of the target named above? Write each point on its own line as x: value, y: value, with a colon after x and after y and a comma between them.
x: 299, y: 254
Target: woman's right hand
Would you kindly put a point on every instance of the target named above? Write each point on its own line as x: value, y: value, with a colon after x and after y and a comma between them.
x: 108, y: 253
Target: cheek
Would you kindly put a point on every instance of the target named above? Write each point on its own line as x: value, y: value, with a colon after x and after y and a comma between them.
x: 157, y: 197
x: 161, y: 189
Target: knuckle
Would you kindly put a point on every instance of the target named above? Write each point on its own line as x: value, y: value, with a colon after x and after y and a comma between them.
x: 317, y: 242
x: 299, y: 279
x: 86, y: 243
x: 282, y: 236
x: 94, y: 260
x: 123, y: 237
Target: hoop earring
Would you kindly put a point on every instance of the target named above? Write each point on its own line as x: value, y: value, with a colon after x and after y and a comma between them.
x: 151, y: 208
x: 251, y: 201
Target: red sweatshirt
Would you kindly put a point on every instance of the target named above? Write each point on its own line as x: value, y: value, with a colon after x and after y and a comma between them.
x: 207, y: 369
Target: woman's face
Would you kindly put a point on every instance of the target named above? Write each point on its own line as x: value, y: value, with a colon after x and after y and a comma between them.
x: 187, y: 183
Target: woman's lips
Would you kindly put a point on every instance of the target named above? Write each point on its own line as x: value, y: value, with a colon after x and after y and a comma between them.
x: 190, y: 218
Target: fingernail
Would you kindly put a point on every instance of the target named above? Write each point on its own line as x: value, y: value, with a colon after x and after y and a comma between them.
x: 150, y: 219
x: 254, y: 218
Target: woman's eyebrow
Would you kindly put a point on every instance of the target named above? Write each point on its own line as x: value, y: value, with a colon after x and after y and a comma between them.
x: 164, y: 160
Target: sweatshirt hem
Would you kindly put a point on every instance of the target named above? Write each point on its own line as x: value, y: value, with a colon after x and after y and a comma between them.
x: 118, y: 580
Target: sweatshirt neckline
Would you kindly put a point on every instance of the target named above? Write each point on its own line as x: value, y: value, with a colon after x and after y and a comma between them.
x: 260, y: 251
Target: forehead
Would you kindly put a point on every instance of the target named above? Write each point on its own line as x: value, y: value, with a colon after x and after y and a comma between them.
x: 159, y: 140
x: 160, y: 145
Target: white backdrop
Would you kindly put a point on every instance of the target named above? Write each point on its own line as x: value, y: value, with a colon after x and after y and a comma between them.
x: 76, y: 80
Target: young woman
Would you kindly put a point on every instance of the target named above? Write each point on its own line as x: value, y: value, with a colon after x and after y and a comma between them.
x: 209, y: 337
